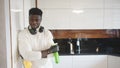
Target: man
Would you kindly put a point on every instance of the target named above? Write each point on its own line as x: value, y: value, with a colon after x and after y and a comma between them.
x: 35, y: 42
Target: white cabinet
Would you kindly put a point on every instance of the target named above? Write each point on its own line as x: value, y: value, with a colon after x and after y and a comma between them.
x: 70, y: 14
x: 56, y: 4
x: 66, y: 19
x: 88, y: 61
x: 50, y: 4
x: 113, y: 62
x: 82, y: 61
x: 112, y: 19
x: 86, y: 4
x: 112, y: 4
x: 88, y: 19
x: 92, y: 61
x: 112, y: 14
x: 56, y: 18
x: 80, y: 14
x: 65, y: 62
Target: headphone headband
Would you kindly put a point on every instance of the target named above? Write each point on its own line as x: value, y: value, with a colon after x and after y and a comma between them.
x: 34, y: 31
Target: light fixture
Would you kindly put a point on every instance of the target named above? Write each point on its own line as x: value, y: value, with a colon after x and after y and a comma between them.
x: 77, y: 11
x: 16, y: 10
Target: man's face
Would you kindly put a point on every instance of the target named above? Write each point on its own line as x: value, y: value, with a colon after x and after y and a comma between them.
x: 34, y: 21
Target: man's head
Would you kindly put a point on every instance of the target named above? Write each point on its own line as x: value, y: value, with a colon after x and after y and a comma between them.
x: 35, y: 17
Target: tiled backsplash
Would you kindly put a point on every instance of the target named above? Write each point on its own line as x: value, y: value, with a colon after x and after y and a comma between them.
x: 90, y: 45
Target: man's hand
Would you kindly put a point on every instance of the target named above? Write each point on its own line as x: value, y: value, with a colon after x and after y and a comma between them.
x: 44, y: 53
x: 53, y: 49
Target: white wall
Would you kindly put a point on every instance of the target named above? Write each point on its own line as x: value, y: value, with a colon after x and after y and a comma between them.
x: 19, y: 20
x: 5, y: 52
x: 16, y: 10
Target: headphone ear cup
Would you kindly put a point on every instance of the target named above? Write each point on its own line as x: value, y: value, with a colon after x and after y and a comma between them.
x: 41, y: 29
x: 32, y: 31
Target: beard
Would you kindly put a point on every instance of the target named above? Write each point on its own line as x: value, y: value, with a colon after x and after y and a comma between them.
x: 35, y: 26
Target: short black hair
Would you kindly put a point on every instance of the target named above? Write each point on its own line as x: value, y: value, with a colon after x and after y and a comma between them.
x: 35, y: 11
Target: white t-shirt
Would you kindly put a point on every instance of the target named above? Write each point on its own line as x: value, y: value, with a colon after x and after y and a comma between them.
x: 30, y: 47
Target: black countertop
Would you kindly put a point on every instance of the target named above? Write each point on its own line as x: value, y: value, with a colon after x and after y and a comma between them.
x: 89, y: 54
x: 88, y: 46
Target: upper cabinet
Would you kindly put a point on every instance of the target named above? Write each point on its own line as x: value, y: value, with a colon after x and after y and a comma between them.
x: 70, y: 4
x: 80, y: 14
x: 86, y: 3
x: 88, y: 19
x: 112, y: 19
x: 112, y: 14
x: 54, y: 4
x: 56, y: 18
x: 112, y: 4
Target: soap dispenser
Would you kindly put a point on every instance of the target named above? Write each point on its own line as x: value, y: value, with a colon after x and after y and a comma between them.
x: 78, y: 42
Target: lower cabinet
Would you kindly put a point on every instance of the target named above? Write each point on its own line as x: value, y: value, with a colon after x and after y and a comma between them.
x: 65, y: 62
x: 82, y: 61
x: 88, y: 61
x: 113, y: 62
x: 91, y: 61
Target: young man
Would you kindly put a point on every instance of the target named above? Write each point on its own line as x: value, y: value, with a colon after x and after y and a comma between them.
x: 35, y: 42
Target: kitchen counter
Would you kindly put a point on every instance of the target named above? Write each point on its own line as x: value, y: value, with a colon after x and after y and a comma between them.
x: 90, y: 46
x: 89, y: 54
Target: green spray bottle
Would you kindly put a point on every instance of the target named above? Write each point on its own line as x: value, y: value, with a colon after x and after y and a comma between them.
x: 56, y: 55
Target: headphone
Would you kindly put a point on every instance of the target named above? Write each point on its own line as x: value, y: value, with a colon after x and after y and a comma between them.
x: 33, y: 31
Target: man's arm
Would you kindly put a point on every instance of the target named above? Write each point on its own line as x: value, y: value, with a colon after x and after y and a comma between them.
x: 45, y: 53
x: 52, y: 49
x: 26, y: 50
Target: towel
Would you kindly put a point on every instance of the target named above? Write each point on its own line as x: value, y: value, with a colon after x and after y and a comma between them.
x: 27, y: 64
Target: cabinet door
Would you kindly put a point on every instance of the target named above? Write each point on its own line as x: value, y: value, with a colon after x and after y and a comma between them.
x: 56, y: 18
x: 86, y: 19
x: 53, y: 4
x: 65, y: 62
x: 86, y: 4
x: 92, y: 61
x: 113, y: 62
x: 112, y: 4
x: 70, y: 14
x: 112, y: 19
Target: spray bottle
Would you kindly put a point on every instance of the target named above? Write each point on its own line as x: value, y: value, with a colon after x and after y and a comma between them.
x: 56, y: 55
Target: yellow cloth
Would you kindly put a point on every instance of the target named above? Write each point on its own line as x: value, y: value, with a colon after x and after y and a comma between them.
x: 27, y: 64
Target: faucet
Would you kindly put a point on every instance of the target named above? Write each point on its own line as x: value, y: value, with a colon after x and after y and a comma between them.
x: 78, y: 43
x: 71, y: 46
